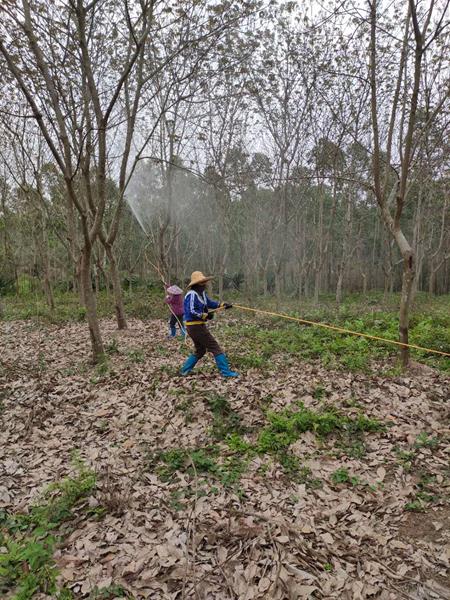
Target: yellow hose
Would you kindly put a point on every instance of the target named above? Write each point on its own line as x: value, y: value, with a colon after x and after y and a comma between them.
x: 339, y: 329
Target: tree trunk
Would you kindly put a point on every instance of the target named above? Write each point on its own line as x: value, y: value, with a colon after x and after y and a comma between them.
x: 46, y: 267
x: 278, y: 283
x: 97, y: 280
x: 220, y: 292
x: 316, y: 286
x: 72, y: 237
x: 405, y: 303
x: 432, y: 282
x: 265, y: 284
x: 339, y: 288
x: 117, y: 289
x: 78, y: 278
x: 87, y: 298
x: 364, y: 291
x: 299, y: 282
x: 48, y: 291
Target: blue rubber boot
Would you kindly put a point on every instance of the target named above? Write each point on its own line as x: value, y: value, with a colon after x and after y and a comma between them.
x: 222, y: 364
x: 189, y: 364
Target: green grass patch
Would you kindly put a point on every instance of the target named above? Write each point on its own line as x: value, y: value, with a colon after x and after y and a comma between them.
x: 27, y: 566
x: 286, y: 427
x: 282, y: 430
x: 267, y: 336
x: 343, y: 351
x: 226, y: 421
x: 205, y: 461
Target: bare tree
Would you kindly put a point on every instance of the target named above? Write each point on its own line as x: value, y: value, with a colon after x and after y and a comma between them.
x: 418, y: 37
x: 73, y: 101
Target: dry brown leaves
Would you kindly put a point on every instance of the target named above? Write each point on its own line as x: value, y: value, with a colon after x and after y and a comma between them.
x: 275, y: 539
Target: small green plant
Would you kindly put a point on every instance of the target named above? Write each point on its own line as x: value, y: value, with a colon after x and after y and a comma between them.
x: 198, y: 460
x: 296, y: 472
x: 231, y: 471
x: 319, y: 392
x: 424, y: 440
x: 415, y: 506
x: 342, y: 475
x: 406, y: 458
x: 353, y: 446
x: 185, y: 407
x: 27, y: 566
x: 180, y: 498
x: 328, y: 567
x: 112, y: 347
x: 102, y: 367
x: 204, y: 461
x: 352, y: 403
x: 237, y: 444
x: 136, y: 355
x: 425, y: 494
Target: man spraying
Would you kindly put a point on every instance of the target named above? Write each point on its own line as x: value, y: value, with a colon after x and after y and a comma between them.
x: 196, y: 313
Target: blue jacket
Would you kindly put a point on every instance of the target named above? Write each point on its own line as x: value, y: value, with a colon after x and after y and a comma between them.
x: 195, y: 305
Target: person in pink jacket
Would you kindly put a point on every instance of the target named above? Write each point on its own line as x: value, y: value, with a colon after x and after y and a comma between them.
x: 174, y: 299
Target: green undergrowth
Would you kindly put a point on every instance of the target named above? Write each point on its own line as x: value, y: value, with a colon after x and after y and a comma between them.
x: 285, y: 427
x: 28, y: 540
x: 268, y: 336
x: 226, y: 460
x: 195, y: 462
x: 257, y: 344
x: 143, y: 303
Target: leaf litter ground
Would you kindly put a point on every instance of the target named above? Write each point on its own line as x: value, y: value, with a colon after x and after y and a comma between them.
x: 351, y: 518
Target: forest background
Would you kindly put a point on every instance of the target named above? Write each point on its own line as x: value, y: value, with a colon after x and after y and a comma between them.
x: 299, y: 153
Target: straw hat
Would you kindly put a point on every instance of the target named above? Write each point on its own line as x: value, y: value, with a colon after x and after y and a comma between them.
x: 198, y: 277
